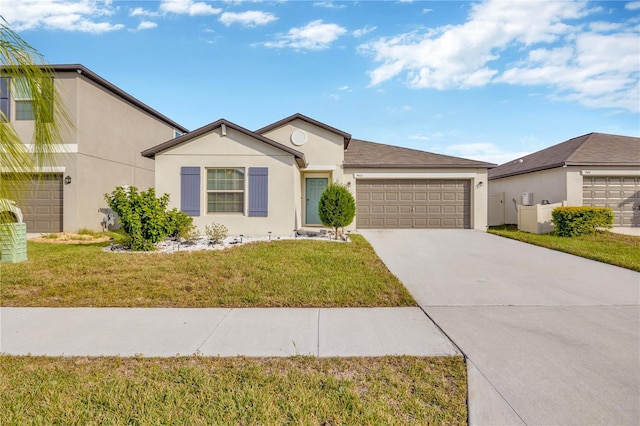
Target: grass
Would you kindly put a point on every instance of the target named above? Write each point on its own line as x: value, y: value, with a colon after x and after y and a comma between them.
x: 203, y: 391
x: 287, y: 273
x: 608, y: 247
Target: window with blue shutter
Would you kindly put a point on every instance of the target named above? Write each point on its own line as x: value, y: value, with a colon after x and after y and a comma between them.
x: 190, y: 190
x: 258, y: 191
x: 5, y: 101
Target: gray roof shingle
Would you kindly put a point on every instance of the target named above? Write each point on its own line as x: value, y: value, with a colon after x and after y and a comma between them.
x: 364, y: 154
x: 592, y: 149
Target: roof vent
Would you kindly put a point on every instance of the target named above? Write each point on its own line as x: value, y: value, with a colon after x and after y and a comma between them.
x: 518, y: 161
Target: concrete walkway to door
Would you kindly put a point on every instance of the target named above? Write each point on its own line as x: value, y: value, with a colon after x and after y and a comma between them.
x: 550, y: 338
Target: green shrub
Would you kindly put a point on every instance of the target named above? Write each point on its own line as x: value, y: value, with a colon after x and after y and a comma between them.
x: 216, y: 231
x: 574, y: 221
x: 180, y: 225
x: 143, y: 216
x: 336, y: 208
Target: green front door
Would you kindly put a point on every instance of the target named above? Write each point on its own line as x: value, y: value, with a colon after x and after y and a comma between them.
x: 314, y: 189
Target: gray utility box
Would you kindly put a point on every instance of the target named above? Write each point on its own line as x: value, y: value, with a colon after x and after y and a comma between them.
x: 13, y: 242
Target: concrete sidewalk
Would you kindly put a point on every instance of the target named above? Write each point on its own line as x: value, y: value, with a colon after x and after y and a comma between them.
x: 256, y: 332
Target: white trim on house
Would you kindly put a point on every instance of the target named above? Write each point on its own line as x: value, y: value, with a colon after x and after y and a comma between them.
x: 58, y: 148
x: 34, y: 170
x: 610, y: 172
x: 319, y: 168
x: 415, y: 175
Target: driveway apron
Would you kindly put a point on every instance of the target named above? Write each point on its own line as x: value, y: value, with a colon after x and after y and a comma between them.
x: 550, y: 338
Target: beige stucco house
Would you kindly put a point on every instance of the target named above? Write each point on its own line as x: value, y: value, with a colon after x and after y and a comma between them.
x: 100, y: 151
x: 595, y: 169
x: 271, y: 179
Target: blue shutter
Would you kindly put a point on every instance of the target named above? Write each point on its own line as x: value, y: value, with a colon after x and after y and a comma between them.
x: 258, y: 191
x: 5, y: 101
x: 190, y: 190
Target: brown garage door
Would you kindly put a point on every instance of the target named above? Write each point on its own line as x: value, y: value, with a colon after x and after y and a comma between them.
x: 413, y: 203
x: 41, y: 204
x: 619, y: 193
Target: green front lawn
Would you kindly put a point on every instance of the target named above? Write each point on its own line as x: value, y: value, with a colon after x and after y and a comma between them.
x: 615, y: 249
x: 287, y: 273
x: 251, y: 391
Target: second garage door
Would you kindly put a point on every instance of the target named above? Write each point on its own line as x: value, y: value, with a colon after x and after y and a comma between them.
x: 619, y: 193
x: 413, y: 203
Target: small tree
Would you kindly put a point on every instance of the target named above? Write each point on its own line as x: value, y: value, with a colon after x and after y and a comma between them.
x: 145, y: 218
x: 336, y: 208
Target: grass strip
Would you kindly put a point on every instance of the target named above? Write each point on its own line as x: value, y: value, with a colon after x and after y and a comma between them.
x: 203, y: 391
x: 607, y: 247
x: 286, y: 273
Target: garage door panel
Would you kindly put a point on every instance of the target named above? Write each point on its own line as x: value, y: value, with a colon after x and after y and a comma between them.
x: 414, y: 203
x: 619, y: 193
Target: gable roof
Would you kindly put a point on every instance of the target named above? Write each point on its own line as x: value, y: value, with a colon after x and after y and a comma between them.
x: 84, y: 71
x: 592, y: 149
x: 298, y: 116
x: 152, y: 152
x: 366, y: 154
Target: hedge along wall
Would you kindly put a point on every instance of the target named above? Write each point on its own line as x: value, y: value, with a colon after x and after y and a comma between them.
x: 574, y: 221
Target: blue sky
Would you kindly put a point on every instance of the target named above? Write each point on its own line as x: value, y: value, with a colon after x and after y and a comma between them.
x: 489, y: 80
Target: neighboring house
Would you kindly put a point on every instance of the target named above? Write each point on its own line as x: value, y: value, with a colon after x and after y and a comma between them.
x: 100, y: 152
x: 596, y: 169
x: 271, y: 180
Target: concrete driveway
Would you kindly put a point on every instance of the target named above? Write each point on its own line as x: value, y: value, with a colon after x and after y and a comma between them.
x: 550, y: 338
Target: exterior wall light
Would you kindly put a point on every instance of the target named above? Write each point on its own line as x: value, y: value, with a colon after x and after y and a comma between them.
x: 67, y: 180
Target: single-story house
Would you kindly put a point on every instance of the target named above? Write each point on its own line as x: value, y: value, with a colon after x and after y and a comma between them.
x: 595, y: 169
x: 271, y: 179
x: 101, y: 149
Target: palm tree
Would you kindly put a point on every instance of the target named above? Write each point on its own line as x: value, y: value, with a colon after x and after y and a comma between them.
x: 23, y: 69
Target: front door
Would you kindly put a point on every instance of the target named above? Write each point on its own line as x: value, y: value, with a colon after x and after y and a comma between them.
x: 314, y: 189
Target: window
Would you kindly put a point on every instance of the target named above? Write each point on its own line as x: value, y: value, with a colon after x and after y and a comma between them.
x: 24, y: 100
x: 225, y: 190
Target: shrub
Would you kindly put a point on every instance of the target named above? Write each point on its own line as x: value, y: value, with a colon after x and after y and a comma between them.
x: 574, y: 221
x: 180, y: 225
x: 336, y: 208
x: 143, y: 216
x: 216, y: 231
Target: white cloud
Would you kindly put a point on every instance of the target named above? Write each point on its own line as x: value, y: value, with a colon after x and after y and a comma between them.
x: 364, y: 31
x: 251, y: 18
x: 329, y: 5
x: 67, y: 15
x: 316, y: 35
x: 483, y: 152
x: 146, y: 25
x: 634, y: 5
x: 138, y: 11
x: 551, y: 48
x: 188, y: 7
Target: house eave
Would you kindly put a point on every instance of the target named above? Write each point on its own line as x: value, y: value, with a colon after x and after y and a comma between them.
x: 566, y: 164
x: 414, y: 166
x: 84, y: 71
x: 158, y: 149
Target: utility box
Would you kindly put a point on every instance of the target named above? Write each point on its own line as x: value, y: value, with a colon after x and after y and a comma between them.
x: 13, y: 242
x: 527, y: 199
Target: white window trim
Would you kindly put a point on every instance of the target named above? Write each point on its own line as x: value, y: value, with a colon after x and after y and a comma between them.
x: 212, y: 191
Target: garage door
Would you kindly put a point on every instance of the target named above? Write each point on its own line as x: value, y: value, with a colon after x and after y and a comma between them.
x: 41, y: 204
x: 413, y: 203
x: 619, y: 193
